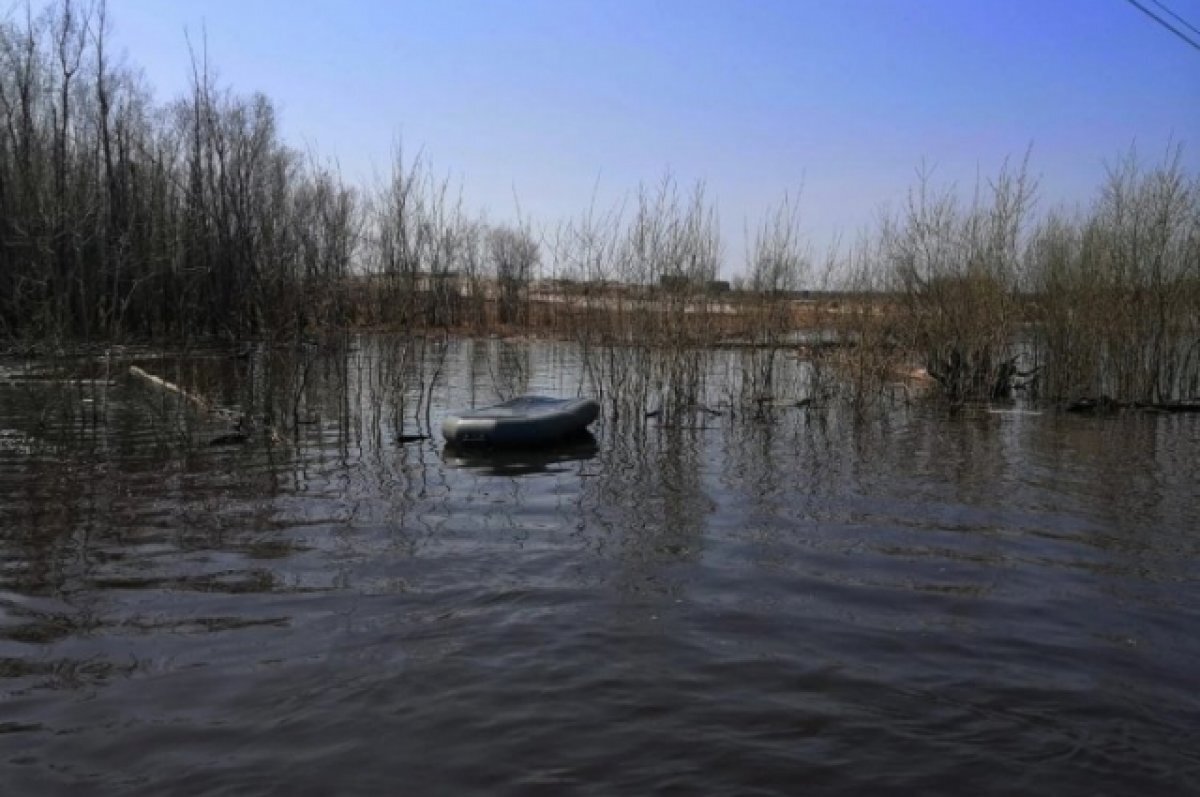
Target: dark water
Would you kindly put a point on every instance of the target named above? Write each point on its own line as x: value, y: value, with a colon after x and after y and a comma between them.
x: 913, y: 603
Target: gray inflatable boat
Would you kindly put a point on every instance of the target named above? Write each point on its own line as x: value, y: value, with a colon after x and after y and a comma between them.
x: 524, y: 421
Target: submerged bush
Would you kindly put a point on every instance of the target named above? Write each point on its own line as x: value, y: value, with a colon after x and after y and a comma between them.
x: 121, y: 218
x: 1118, y: 291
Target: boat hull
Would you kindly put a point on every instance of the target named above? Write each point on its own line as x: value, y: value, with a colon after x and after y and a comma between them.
x: 524, y: 421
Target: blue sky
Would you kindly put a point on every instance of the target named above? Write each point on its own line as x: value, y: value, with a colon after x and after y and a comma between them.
x: 837, y: 100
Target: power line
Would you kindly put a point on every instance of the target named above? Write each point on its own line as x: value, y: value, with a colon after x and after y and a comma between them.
x: 1164, y: 23
x: 1178, y: 18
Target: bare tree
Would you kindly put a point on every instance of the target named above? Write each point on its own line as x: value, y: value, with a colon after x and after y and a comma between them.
x: 514, y: 256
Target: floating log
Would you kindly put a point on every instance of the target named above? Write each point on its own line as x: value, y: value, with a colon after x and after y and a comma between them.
x: 240, y: 433
x: 198, y: 401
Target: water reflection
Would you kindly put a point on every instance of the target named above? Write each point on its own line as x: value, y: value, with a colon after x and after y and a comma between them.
x: 726, y: 603
x: 521, y: 461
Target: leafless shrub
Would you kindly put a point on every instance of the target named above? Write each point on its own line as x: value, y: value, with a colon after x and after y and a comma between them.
x: 1118, y: 292
x: 956, y: 274
x: 779, y: 264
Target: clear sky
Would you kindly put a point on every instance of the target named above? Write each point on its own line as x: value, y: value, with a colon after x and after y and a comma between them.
x: 549, y: 99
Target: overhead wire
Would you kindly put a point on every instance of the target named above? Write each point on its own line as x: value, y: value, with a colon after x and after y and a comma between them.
x: 1177, y: 18
x: 1164, y: 23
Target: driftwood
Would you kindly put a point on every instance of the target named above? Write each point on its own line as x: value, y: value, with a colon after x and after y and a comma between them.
x: 196, y: 400
x: 241, y: 425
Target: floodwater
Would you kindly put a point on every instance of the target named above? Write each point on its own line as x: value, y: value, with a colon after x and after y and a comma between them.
x: 911, y: 602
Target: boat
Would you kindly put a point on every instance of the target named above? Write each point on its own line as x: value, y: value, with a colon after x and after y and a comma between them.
x: 528, y: 421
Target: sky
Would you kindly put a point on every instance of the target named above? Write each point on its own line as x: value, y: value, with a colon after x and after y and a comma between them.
x: 547, y: 107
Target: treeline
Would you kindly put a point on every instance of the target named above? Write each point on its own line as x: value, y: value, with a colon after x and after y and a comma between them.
x: 120, y: 217
x: 1102, y: 302
x: 123, y: 218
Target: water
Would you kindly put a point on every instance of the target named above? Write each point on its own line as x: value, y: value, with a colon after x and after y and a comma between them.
x: 987, y: 603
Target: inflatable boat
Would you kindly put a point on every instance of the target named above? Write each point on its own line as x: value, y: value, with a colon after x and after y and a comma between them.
x: 524, y: 421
